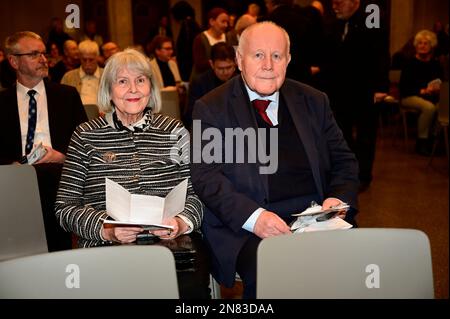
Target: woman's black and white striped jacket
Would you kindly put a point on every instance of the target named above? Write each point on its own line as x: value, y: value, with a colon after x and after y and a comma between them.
x: 151, y: 161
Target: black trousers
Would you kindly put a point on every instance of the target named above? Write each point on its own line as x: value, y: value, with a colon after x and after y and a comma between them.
x: 246, y: 266
x: 48, y: 176
x: 359, y: 126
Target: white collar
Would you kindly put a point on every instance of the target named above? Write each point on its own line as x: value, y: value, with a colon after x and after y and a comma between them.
x: 255, y: 96
x: 96, y: 73
x: 23, y: 90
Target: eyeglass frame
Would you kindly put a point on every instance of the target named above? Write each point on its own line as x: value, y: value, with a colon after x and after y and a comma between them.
x: 32, y: 54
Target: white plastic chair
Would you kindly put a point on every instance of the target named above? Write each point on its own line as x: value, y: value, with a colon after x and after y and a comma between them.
x: 350, y: 264
x: 22, y: 231
x: 138, y: 272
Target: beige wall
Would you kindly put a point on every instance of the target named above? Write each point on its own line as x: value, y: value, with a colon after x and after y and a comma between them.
x: 120, y: 22
x: 410, y: 16
x: 33, y: 15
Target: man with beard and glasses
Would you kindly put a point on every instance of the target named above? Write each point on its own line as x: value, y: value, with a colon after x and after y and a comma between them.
x: 34, y: 112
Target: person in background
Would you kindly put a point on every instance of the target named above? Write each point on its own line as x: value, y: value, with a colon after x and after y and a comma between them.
x: 131, y: 145
x: 223, y: 68
x: 165, y: 68
x: 254, y: 10
x: 70, y: 61
x: 184, y: 14
x: 319, y: 6
x: 53, y: 56
x: 201, y: 49
x: 58, y: 107
x: 419, y: 88
x: 354, y: 72
x: 108, y: 49
x: 243, y: 22
x: 90, y: 33
x: 35, y: 112
x: 244, y: 204
x: 57, y: 34
x: 232, y: 21
x: 86, y: 78
x: 305, y: 30
x: 2, y: 55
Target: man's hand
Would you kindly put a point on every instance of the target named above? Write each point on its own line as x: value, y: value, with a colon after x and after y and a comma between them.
x: 270, y: 224
x: 331, y: 202
x: 123, y: 235
x: 52, y: 156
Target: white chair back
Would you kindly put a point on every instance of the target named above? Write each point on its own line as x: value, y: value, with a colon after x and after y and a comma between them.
x: 356, y: 263
x: 22, y: 231
x: 117, y: 272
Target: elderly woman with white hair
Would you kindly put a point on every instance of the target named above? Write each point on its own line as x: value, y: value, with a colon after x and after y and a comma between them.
x: 420, y: 86
x: 131, y: 145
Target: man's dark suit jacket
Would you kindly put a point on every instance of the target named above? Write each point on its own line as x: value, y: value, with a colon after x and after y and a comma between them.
x: 65, y: 113
x: 232, y: 192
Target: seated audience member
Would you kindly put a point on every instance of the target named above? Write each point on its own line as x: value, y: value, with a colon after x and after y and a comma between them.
x: 108, y: 49
x: 164, y: 67
x: 243, y: 22
x: 35, y: 111
x: 133, y: 146
x: 223, y: 67
x: 86, y: 78
x: 253, y: 9
x: 243, y: 202
x: 53, y: 56
x: 70, y: 61
x: 57, y: 34
x: 91, y: 33
x: 419, y: 91
x: 201, y: 49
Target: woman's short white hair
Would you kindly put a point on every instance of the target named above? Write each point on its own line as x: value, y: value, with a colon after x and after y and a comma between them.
x: 427, y: 35
x: 131, y: 60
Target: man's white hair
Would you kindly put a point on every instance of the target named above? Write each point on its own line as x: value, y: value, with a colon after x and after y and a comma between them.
x: 244, y: 35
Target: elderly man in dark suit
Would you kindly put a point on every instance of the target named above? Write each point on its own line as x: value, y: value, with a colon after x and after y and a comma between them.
x: 313, y: 160
x: 33, y: 112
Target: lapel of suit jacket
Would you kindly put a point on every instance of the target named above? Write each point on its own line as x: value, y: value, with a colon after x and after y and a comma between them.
x: 240, y: 104
x: 297, y: 105
x: 52, y: 104
x: 12, y: 107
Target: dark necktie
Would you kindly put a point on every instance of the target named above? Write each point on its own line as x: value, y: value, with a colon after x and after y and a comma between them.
x: 261, y: 107
x: 32, y: 117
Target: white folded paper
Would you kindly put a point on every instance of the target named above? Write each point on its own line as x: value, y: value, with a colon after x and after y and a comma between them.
x: 311, y: 219
x: 144, y: 210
